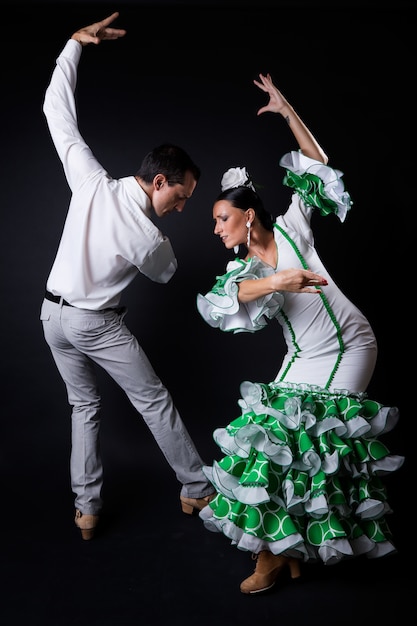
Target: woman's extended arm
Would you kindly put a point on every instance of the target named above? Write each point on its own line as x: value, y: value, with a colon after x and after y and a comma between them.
x: 278, y: 104
x: 295, y: 280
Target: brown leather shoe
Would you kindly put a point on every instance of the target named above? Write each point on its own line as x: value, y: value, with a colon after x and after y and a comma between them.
x: 86, y: 523
x: 268, y: 568
x: 192, y: 506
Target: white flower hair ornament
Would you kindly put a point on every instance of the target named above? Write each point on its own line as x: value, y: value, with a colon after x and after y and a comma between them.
x: 236, y: 177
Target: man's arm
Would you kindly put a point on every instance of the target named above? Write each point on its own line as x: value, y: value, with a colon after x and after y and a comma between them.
x: 59, y: 104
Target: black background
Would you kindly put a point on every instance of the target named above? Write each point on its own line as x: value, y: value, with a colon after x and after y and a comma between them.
x: 184, y: 73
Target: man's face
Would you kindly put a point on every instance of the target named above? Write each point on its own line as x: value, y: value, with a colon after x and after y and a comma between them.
x: 167, y: 198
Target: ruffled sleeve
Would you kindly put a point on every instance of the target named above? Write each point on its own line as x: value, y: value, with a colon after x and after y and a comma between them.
x: 220, y: 307
x: 317, y: 184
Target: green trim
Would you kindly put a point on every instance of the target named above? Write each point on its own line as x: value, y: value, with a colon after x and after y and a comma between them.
x: 327, y: 306
x: 311, y: 189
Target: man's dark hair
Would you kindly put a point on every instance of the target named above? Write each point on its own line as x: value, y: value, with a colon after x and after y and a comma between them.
x: 169, y: 160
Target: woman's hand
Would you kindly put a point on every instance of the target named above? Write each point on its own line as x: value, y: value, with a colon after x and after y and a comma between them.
x: 277, y: 102
x: 298, y: 281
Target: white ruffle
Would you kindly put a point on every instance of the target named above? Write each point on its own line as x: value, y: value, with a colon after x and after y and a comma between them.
x: 256, y: 437
x: 334, y: 187
x: 330, y: 552
x: 221, y: 308
x: 384, y: 420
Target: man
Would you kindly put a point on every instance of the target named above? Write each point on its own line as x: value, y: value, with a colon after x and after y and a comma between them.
x: 108, y: 237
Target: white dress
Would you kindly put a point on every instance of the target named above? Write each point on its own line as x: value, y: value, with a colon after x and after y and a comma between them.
x: 302, y: 465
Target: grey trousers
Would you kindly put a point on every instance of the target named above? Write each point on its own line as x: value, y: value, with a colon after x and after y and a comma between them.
x: 78, y: 340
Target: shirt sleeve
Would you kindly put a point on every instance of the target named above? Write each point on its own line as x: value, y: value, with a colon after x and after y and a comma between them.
x: 59, y: 108
x: 161, y: 264
x: 220, y: 307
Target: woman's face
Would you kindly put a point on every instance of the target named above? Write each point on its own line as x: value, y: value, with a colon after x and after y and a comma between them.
x: 230, y: 223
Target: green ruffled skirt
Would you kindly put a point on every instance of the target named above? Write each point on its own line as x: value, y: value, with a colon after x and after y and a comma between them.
x: 301, y: 474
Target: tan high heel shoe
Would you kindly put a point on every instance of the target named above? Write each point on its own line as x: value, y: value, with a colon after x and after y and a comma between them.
x: 268, y: 566
x: 192, y: 506
x: 86, y: 523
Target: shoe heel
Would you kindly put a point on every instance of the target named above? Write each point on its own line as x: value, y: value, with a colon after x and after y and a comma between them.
x: 294, y: 566
x: 90, y: 521
x: 187, y: 508
x: 192, y: 506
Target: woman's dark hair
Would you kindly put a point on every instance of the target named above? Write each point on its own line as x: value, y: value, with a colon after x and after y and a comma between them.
x: 244, y: 198
x: 169, y: 160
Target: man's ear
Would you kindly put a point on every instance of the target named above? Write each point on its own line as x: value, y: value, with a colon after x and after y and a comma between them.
x: 159, y: 181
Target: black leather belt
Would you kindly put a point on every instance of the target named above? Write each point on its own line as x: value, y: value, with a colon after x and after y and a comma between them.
x: 50, y: 296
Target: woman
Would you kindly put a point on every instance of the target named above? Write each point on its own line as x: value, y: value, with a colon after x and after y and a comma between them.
x: 300, y: 477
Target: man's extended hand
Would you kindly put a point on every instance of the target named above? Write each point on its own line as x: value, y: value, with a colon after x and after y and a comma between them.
x: 97, y: 32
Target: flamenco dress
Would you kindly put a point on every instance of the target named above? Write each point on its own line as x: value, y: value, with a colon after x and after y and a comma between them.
x: 302, y: 468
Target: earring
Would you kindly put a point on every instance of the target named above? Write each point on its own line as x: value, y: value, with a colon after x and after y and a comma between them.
x: 248, y: 235
x: 236, y: 249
